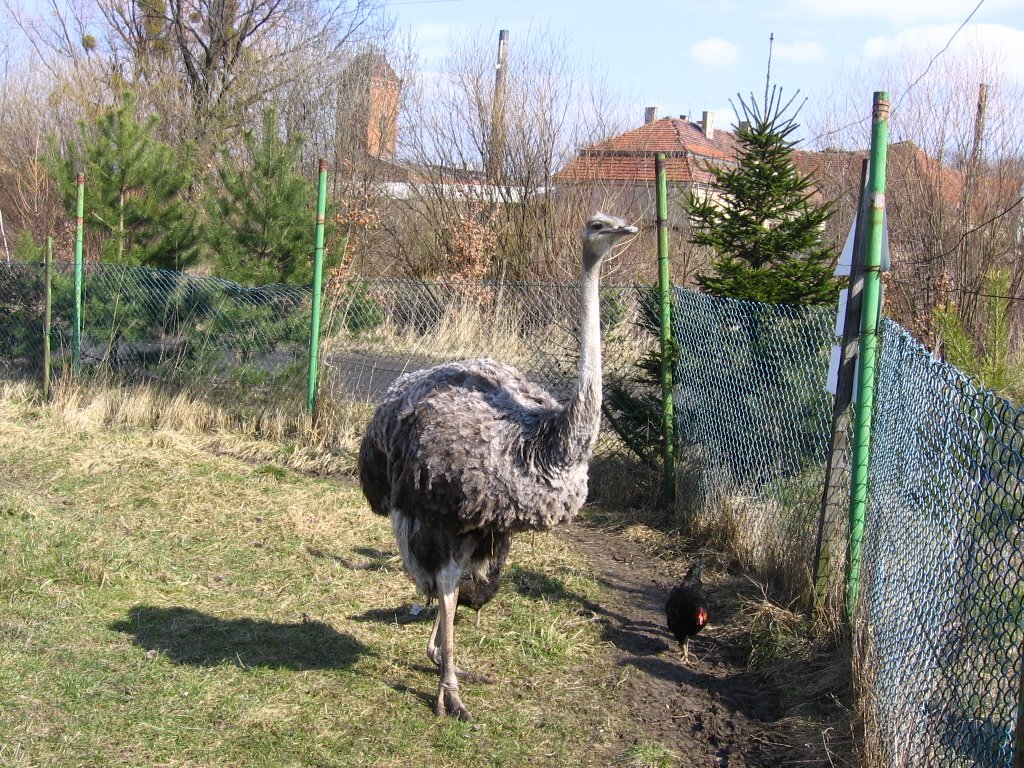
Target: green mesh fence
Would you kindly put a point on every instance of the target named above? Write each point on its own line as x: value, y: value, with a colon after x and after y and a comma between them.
x: 250, y: 346
x: 200, y: 333
x: 753, y: 419
x: 943, y: 564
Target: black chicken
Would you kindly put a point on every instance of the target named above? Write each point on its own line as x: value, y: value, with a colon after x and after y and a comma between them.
x: 686, y: 610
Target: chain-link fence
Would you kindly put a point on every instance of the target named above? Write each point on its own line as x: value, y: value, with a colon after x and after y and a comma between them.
x: 943, y: 564
x: 200, y: 333
x: 753, y: 422
x: 248, y: 347
x: 941, y: 622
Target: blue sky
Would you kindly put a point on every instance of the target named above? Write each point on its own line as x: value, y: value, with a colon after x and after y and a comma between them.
x: 686, y: 56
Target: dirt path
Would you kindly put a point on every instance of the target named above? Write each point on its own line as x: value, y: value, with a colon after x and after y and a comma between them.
x: 714, y: 712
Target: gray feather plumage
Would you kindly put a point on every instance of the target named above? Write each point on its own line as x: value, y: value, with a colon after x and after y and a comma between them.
x: 475, y: 443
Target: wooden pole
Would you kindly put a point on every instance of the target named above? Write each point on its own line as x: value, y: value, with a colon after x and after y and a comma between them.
x: 834, y: 503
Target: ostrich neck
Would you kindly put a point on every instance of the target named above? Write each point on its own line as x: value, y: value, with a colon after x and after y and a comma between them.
x: 577, y: 426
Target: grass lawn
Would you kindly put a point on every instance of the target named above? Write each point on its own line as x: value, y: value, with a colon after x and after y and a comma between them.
x: 161, y: 605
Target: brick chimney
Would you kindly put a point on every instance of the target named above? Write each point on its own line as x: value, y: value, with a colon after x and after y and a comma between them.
x: 367, y: 109
x: 382, y: 128
x: 708, y: 124
x: 650, y: 115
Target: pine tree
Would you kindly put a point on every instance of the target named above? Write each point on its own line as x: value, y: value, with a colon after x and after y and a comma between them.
x: 262, y: 219
x: 135, y: 189
x: 761, y: 221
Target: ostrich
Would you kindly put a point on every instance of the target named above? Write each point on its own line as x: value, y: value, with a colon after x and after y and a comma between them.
x: 463, y: 455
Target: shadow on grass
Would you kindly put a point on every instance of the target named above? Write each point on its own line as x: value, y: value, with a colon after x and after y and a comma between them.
x: 398, y: 615
x: 636, y: 637
x: 187, y: 636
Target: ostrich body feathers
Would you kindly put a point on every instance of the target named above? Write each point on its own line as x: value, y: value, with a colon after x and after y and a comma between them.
x: 475, y: 445
x: 462, y: 455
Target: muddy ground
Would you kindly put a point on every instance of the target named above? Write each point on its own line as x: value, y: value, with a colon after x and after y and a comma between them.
x: 714, y: 711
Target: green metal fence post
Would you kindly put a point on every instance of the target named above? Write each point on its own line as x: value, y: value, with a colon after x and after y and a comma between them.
x: 318, y: 275
x: 76, y: 325
x: 665, y: 294
x: 868, y: 343
x: 47, y: 305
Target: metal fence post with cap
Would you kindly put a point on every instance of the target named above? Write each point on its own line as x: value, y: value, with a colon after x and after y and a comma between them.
x: 668, y: 435
x: 318, y: 274
x: 47, y: 313
x: 868, y: 343
x: 76, y: 325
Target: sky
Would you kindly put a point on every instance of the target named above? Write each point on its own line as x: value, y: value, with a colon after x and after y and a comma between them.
x: 687, y: 56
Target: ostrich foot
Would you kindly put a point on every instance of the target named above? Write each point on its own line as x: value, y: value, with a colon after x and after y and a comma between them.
x: 449, y: 703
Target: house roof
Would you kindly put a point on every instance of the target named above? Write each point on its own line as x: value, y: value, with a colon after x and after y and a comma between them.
x: 907, y: 164
x: 629, y: 156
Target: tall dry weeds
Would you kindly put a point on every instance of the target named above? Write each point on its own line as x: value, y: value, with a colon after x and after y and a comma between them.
x: 327, y: 444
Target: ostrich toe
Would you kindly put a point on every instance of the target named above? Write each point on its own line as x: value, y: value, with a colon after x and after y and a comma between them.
x: 449, y: 703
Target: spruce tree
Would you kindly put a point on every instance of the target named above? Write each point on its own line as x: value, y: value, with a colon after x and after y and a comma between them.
x: 261, y: 220
x: 760, y: 219
x: 135, y: 189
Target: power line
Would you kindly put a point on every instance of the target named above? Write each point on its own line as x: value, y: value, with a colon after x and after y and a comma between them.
x: 920, y: 77
x: 421, y: 2
x: 944, y: 48
x: 964, y: 291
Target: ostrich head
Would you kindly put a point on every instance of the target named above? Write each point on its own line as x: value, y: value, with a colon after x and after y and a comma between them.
x: 600, y: 234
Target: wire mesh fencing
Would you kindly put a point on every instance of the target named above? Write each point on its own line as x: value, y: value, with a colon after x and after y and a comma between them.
x: 753, y: 423
x: 943, y: 578
x: 199, y: 333
x: 248, y: 347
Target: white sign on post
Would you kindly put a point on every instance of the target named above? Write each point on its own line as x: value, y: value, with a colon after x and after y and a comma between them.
x: 841, y: 317
x: 832, y: 381
x: 845, y: 262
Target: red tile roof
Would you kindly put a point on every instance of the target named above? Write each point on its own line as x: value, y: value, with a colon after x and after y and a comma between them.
x: 908, y: 166
x: 630, y: 156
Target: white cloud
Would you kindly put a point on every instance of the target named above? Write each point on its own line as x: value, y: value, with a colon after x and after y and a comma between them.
x: 715, y: 52
x: 994, y: 43
x: 799, y: 52
x: 899, y: 11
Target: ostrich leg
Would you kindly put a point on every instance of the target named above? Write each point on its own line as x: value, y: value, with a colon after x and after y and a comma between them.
x: 434, y: 650
x: 448, y: 701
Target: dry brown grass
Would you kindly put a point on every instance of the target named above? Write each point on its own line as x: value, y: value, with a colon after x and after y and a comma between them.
x: 325, y: 445
x: 484, y: 322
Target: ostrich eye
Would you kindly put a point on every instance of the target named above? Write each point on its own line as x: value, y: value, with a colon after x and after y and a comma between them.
x: 597, y: 226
